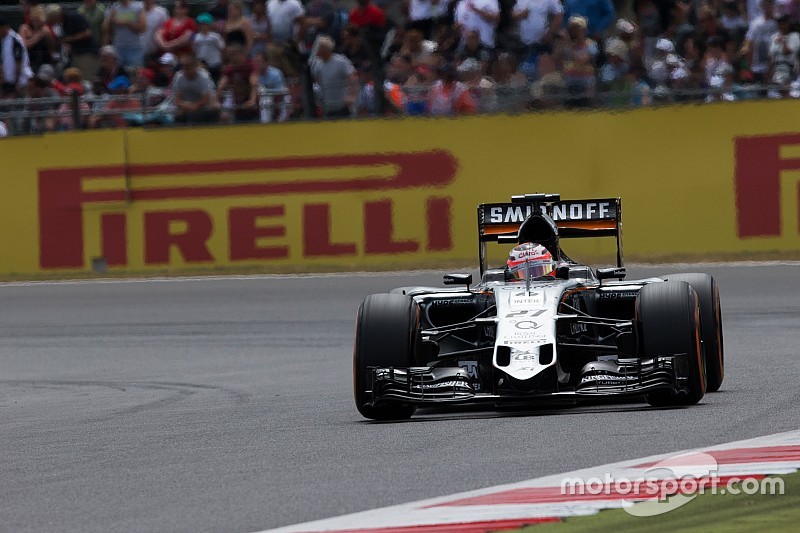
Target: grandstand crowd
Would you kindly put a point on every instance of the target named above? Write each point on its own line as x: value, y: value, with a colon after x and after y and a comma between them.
x: 139, y: 63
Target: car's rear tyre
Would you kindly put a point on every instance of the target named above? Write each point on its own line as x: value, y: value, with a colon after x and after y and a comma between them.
x: 668, y: 317
x: 711, y: 329
x: 387, y: 329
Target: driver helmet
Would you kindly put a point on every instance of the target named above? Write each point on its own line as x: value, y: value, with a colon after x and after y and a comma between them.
x: 532, y: 258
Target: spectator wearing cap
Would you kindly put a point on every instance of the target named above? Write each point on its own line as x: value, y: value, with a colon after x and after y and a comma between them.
x: 449, y: 96
x: 155, y: 16
x: 38, y: 38
x: 783, y: 53
x: 208, y: 45
x: 44, y: 81
x: 73, y: 84
x: 43, y: 84
x: 41, y: 98
x: 723, y: 85
x: 123, y: 27
x: 94, y: 13
x: 76, y: 37
x: 481, y: 16
x: 145, y: 80
x: 336, y: 78
x: 14, y: 62
x: 539, y: 21
x: 657, y: 70
x: 626, y: 32
x: 579, y: 57
x: 757, y: 42
x: 194, y: 93
x: 149, y: 95
x: 151, y: 99
x: 111, y: 114
x: 165, y: 69
x: 175, y: 35
x: 612, y: 75
x: 109, y: 68
x: 599, y: 15
x: 680, y: 79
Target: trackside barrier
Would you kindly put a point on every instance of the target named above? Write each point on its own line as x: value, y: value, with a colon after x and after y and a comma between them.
x: 695, y: 181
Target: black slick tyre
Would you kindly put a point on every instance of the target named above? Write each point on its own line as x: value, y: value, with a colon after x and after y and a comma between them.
x: 668, y: 317
x: 711, y: 316
x: 387, y: 328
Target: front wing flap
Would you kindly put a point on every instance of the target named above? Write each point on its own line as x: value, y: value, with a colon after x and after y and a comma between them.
x: 440, y: 385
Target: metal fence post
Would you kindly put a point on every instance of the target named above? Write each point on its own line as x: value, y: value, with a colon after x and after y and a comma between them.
x: 75, y: 104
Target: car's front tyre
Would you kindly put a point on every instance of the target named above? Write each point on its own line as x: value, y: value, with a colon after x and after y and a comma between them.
x: 711, y: 317
x: 387, y: 330
x: 668, y: 317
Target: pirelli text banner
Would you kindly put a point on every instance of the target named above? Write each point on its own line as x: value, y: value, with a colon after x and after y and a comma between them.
x: 694, y: 181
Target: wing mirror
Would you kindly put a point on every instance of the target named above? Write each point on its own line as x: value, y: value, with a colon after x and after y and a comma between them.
x: 611, y: 273
x: 457, y: 279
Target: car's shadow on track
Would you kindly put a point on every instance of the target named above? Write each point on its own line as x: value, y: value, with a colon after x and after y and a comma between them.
x: 433, y: 414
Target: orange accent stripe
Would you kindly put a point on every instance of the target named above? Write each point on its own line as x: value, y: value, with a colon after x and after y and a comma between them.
x: 588, y: 224
x: 501, y: 229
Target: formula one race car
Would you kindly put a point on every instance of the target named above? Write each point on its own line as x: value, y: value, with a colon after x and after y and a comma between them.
x: 528, y: 336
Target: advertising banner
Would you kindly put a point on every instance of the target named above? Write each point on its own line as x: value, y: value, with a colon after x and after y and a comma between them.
x: 695, y: 182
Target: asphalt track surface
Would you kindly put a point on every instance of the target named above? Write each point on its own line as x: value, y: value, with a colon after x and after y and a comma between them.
x: 226, y: 405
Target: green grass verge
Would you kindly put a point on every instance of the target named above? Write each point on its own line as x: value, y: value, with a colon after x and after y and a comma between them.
x: 707, y: 512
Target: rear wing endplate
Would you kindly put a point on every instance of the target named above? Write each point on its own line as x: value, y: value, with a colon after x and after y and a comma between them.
x: 601, y: 217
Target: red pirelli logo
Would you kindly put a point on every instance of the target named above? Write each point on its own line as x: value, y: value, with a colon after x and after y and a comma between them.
x: 64, y: 195
x: 758, y: 168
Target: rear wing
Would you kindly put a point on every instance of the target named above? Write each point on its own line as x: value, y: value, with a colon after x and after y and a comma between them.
x: 600, y: 217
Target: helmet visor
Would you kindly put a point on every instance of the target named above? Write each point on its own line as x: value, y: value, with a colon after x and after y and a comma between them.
x: 534, y: 268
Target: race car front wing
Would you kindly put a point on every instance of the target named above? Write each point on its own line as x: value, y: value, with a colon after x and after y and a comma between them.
x: 437, y: 385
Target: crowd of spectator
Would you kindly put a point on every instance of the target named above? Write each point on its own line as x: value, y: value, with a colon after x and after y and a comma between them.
x: 135, y: 63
